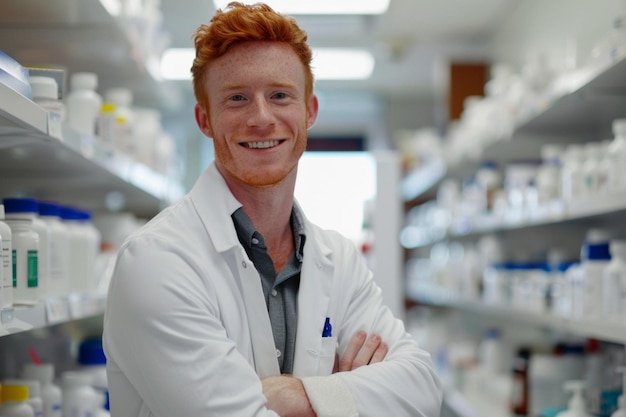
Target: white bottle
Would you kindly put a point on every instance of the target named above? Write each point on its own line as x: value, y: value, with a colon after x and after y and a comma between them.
x: 614, y: 283
x: 78, y: 396
x: 621, y: 401
x: 92, y: 362
x: 617, y: 156
x: 6, y: 260
x: 59, y: 248
x: 83, y: 103
x: 46, y: 94
x: 50, y: 393
x: 28, y: 208
x: 34, y: 393
x: 19, y: 217
x: 549, y: 174
x: 78, y: 271
x: 595, y: 257
x: 576, y: 406
x: 572, y: 173
x: 124, y: 120
x: 14, y: 401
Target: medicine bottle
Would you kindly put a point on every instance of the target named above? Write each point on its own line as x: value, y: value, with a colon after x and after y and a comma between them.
x: 49, y: 212
x: 28, y: 208
x: 14, y: 401
x: 46, y: 94
x: 6, y: 262
x: 78, y: 396
x: 617, y: 156
x: 595, y: 257
x: 50, y: 392
x: 520, y: 388
x: 83, y: 103
x: 124, y: 120
x: 92, y: 362
x: 83, y: 249
x: 614, y: 283
x: 34, y: 393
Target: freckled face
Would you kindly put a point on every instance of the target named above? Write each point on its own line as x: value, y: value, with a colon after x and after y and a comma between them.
x: 258, y: 113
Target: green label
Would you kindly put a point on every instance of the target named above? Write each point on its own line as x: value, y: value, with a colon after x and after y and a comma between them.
x: 32, y: 274
x: 14, y: 262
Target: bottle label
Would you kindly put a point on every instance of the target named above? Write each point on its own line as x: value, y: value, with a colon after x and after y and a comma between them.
x: 32, y: 271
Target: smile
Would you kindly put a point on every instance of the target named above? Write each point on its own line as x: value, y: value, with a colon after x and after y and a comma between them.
x: 261, y: 145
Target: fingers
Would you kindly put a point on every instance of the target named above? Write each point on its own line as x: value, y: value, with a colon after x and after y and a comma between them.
x: 363, y: 351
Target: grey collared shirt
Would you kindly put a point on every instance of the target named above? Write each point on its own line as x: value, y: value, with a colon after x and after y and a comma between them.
x: 280, y: 289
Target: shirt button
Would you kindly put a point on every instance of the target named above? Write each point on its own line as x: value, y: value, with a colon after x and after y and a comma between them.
x: 255, y: 241
x: 278, y: 353
x: 243, y: 263
x: 274, y: 292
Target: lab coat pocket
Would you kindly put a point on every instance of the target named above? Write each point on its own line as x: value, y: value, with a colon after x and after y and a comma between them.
x: 327, y: 355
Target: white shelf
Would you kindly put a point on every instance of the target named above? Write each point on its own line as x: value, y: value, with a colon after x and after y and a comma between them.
x: 75, y: 171
x: 54, y: 310
x: 423, y: 179
x: 602, y: 330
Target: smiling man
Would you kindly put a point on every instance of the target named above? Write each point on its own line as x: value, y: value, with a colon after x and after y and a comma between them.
x: 231, y: 303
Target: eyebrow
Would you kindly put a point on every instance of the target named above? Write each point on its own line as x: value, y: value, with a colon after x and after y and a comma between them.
x: 230, y: 87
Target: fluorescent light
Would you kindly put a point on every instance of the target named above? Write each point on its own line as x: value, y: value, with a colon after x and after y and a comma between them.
x: 328, y: 64
x: 176, y: 63
x: 342, y: 64
x: 320, y: 6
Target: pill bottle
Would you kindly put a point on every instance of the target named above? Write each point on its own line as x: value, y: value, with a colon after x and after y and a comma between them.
x: 614, y: 283
x: 34, y: 393
x: 20, y: 213
x: 78, y: 395
x: 14, y: 401
x: 83, y: 103
x: 50, y: 392
x: 46, y: 95
x: 22, y: 208
x: 6, y: 260
x: 59, y: 248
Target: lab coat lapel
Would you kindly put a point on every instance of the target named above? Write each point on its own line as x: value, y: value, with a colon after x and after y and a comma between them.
x: 215, y: 209
x: 313, y: 304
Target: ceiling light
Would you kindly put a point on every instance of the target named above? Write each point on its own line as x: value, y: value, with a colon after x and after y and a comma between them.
x: 176, y: 63
x: 342, y: 64
x: 328, y: 64
x: 320, y: 6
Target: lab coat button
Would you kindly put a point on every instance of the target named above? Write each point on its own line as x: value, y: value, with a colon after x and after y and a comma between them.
x: 278, y: 353
x: 243, y: 263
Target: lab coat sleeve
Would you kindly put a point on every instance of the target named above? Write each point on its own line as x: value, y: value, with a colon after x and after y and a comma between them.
x: 162, y: 332
x: 403, y: 385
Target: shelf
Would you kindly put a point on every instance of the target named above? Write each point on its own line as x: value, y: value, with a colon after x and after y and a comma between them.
x: 602, y: 330
x: 422, y: 179
x: 76, y: 171
x: 54, y: 310
x: 80, y: 36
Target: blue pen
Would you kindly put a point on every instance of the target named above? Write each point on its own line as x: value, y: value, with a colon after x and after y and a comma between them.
x: 328, y: 328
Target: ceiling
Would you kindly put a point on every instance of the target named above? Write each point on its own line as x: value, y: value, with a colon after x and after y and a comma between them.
x: 410, y: 41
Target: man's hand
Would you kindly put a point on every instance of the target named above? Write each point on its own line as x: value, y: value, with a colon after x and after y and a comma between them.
x: 361, y: 351
x: 287, y: 397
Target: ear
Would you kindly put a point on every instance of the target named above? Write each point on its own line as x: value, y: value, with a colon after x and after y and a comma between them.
x: 202, y: 119
x: 312, y: 109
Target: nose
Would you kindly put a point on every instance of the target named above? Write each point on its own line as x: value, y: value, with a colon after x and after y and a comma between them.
x: 261, y: 113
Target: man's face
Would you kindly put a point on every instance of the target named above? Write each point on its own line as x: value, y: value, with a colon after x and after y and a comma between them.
x: 258, y: 115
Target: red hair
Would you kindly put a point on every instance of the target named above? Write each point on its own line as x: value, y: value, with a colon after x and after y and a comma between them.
x: 240, y: 23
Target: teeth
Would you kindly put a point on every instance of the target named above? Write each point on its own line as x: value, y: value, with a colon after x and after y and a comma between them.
x: 262, y: 145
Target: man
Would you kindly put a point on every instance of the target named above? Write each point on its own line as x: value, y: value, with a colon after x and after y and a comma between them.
x: 230, y: 303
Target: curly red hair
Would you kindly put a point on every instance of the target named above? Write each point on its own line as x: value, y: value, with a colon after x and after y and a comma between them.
x: 240, y: 23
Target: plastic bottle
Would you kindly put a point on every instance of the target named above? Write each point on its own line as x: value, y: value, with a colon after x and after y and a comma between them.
x: 83, y: 103
x: 79, y: 276
x: 617, y: 156
x: 28, y: 208
x: 549, y: 174
x: 59, y: 248
x: 491, y: 353
x: 520, y: 388
x: 92, y: 362
x: 34, y: 393
x: 595, y: 257
x: 489, y: 180
x: 78, y: 396
x: 621, y: 401
x: 19, y: 217
x: 7, y: 262
x: 46, y: 94
x: 124, y: 120
x: 14, y: 401
x: 572, y: 173
x: 576, y: 406
x: 50, y: 393
x: 611, y: 47
x: 614, y: 283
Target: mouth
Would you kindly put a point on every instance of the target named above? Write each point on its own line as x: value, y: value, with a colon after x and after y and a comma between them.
x: 266, y: 144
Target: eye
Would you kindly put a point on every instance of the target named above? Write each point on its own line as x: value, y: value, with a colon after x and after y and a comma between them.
x: 237, y: 97
x: 280, y: 95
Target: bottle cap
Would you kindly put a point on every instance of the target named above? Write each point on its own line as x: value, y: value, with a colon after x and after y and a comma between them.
x: 44, y: 372
x: 90, y: 352
x: 44, y: 87
x: 596, y: 252
x: 48, y: 208
x: 121, y: 97
x: 84, y: 80
x: 32, y: 385
x: 14, y: 393
x: 20, y: 205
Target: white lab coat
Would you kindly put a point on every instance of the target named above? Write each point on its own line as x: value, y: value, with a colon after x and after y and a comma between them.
x: 187, y: 332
